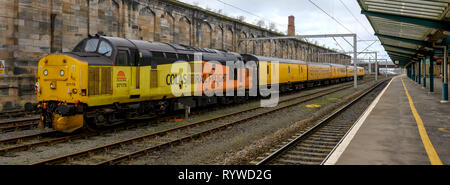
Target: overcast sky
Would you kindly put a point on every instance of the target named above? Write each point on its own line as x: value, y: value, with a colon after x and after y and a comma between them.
x: 309, y: 19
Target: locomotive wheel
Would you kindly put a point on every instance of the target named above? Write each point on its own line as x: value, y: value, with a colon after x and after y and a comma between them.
x: 89, y: 125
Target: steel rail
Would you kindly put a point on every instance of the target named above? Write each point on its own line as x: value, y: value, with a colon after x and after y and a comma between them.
x: 15, y: 113
x: 275, y: 155
x: 20, y: 124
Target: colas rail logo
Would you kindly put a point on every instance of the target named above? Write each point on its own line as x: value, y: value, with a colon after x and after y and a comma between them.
x: 121, y: 76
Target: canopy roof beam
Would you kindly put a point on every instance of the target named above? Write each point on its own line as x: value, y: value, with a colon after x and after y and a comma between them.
x: 401, y: 48
x: 411, y: 20
x: 398, y: 53
x: 411, y: 41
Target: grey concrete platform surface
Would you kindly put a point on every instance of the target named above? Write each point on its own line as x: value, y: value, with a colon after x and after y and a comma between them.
x: 390, y: 133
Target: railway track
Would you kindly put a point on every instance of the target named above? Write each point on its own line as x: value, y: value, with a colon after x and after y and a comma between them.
x: 313, y: 146
x: 15, y: 113
x: 26, y: 142
x: 19, y: 124
x: 131, y: 148
x: 22, y: 124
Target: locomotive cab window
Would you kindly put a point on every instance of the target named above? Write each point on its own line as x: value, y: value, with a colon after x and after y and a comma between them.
x: 91, y: 45
x: 127, y: 57
x: 122, y: 58
x: 79, y: 47
x: 105, y: 49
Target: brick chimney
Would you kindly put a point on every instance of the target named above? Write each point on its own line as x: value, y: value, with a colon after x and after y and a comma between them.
x: 291, y: 26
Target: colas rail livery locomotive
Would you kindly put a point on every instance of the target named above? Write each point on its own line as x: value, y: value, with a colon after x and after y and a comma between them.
x: 106, y: 80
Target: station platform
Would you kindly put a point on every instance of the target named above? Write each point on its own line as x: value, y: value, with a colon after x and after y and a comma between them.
x: 398, y: 130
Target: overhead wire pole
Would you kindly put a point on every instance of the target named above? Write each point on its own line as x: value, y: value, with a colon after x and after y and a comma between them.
x: 355, y: 55
x: 355, y: 40
x: 376, y: 67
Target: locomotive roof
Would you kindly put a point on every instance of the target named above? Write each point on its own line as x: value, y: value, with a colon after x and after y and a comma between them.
x: 338, y: 65
x: 319, y: 64
x: 351, y: 66
x: 148, y: 48
x: 256, y: 58
x: 208, y: 54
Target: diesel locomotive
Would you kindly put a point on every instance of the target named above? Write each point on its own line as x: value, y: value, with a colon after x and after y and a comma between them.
x: 106, y: 80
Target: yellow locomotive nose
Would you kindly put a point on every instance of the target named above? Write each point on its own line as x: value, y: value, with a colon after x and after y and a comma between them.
x: 59, y: 79
x: 59, y: 76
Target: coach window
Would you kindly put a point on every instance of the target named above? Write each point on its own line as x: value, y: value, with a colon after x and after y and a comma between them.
x: 122, y: 58
x: 289, y: 69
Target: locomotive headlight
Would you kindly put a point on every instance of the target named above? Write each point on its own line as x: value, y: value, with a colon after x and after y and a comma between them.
x: 52, y: 85
x: 61, y: 72
x: 45, y: 72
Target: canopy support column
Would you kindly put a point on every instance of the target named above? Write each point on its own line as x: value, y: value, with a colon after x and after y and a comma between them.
x: 431, y: 74
x: 445, y: 75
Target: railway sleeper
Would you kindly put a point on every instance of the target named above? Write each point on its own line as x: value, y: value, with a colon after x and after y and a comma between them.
x: 293, y: 162
x: 318, y: 142
x: 324, y: 139
x: 308, y: 146
x: 308, y: 153
x: 302, y: 158
x: 329, y: 133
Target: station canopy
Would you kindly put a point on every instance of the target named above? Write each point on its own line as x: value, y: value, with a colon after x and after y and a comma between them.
x: 407, y: 29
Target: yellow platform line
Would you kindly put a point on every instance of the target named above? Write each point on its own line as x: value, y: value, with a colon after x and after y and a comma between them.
x: 431, y: 152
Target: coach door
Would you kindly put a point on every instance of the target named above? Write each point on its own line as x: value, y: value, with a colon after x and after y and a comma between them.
x: 135, y: 61
x: 128, y: 72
